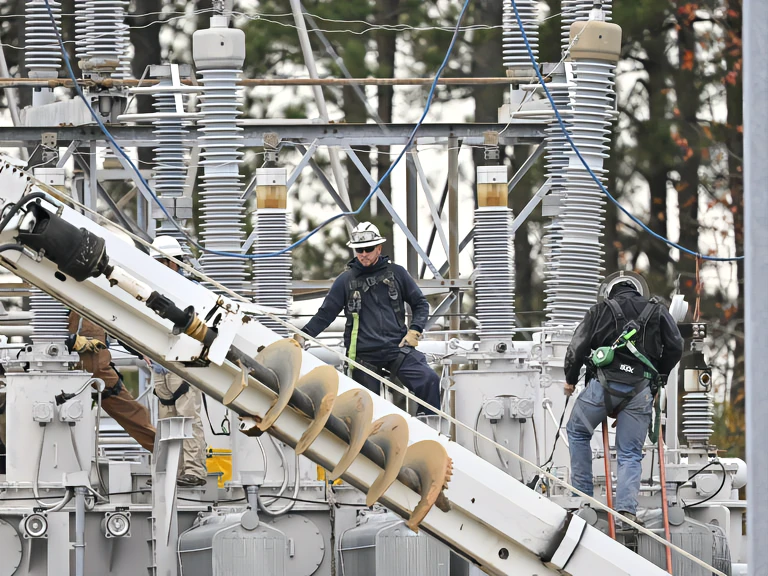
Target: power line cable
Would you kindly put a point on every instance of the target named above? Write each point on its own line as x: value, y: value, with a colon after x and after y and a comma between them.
x: 141, y: 179
x: 586, y: 165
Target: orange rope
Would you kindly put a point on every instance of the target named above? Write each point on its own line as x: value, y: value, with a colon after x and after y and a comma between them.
x: 608, y: 482
x: 664, y: 502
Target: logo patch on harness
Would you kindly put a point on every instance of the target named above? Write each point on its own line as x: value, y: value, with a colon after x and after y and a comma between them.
x: 627, y: 368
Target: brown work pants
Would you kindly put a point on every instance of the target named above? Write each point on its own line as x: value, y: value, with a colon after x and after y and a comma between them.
x: 132, y: 416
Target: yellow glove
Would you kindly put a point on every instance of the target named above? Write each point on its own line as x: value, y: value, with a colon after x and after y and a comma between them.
x: 83, y: 344
x: 300, y: 340
x: 411, y: 339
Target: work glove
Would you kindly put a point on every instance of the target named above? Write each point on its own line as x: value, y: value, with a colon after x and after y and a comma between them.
x: 411, y: 339
x: 82, y: 344
x: 158, y: 369
x: 301, y: 341
x: 569, y: 389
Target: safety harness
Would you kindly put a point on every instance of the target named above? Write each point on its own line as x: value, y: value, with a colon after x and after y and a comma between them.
x: 620, y: 366
x: 357, y: 287
x: 180, y: 391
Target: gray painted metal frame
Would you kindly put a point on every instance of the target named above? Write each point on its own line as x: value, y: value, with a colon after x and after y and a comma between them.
x: 436, y: 220
x: 325, y: 134
x: 756, y: 276
x: 392, y: 212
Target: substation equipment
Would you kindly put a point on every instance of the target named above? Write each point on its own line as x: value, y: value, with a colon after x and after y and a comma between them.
x: 284, y: 425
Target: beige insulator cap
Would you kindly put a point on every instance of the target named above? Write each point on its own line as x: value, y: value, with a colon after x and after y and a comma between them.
x: 491, y: 186
x: 597, y: 41
x: 271, y: 189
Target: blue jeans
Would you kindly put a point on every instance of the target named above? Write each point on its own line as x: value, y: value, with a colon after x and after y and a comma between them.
x: 631, y: 430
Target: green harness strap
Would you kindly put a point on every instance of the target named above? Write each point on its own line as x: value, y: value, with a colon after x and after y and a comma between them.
x: 655, y: 424
x: 353, y: 341
x: 640, y: 356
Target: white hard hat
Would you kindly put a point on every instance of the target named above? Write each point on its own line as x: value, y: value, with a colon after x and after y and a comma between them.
x: 365, y: 235
x: 166, y: 246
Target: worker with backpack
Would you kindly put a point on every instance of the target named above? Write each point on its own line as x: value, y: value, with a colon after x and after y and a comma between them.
x: 629, y: 344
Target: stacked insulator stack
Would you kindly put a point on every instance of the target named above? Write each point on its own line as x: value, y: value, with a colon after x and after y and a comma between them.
x: 219, y: 53
x: 50, y: 319
x: 557, y: 161
x: 171, y: 158
x: 573, y: 244
x: 124, y: 68
x: 82, y: 18
x: 272, y: 276
x: 698, y: 418
x: 494, y: 248
x: 42, y: 53
x: 515, y: 54
x: 102, y: 36
x: 575, y: 270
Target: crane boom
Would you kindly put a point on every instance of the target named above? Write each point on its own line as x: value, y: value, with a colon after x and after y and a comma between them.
x: 216, y: 344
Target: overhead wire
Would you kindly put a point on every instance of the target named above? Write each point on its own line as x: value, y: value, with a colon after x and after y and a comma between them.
x: 456, y: 30
x: 588, y: 168
x: 306, y: 237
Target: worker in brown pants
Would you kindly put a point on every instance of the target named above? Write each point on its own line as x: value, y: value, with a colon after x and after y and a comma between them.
x: 88, y: 340
x: 175, y: 396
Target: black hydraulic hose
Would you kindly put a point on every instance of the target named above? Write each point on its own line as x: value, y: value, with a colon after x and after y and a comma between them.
x: 10, y: 247
x: 715, y: 493
x: 16, y: 207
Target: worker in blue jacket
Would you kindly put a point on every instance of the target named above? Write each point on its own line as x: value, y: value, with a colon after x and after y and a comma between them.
x: 373, y: 292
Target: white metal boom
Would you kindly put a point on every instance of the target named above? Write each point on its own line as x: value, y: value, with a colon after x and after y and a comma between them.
x: 442, y: 488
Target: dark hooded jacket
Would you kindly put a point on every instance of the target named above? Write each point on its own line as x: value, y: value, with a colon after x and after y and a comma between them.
x: 660, y: 341
x: 380, y: 326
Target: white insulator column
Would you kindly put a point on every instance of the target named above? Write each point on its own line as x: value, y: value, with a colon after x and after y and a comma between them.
x: 171, y: 163
x: 82, y: 18
x: 50, y: 318
x: 272, y: 276
x: 575, y: 263
x: 42, y: 52
x: 101, y: 35
x: 698, y: 418
x: 124, y: 49
x: 515, y: 54
x: 219, y: 53
x: 494, y: 252
x: 557, y: 145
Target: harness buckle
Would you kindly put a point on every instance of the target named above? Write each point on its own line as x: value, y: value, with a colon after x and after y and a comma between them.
x: 355, y: 303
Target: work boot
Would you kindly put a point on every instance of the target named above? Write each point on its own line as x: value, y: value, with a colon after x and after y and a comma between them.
x: 190, y: 481
x: 632, y: 517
